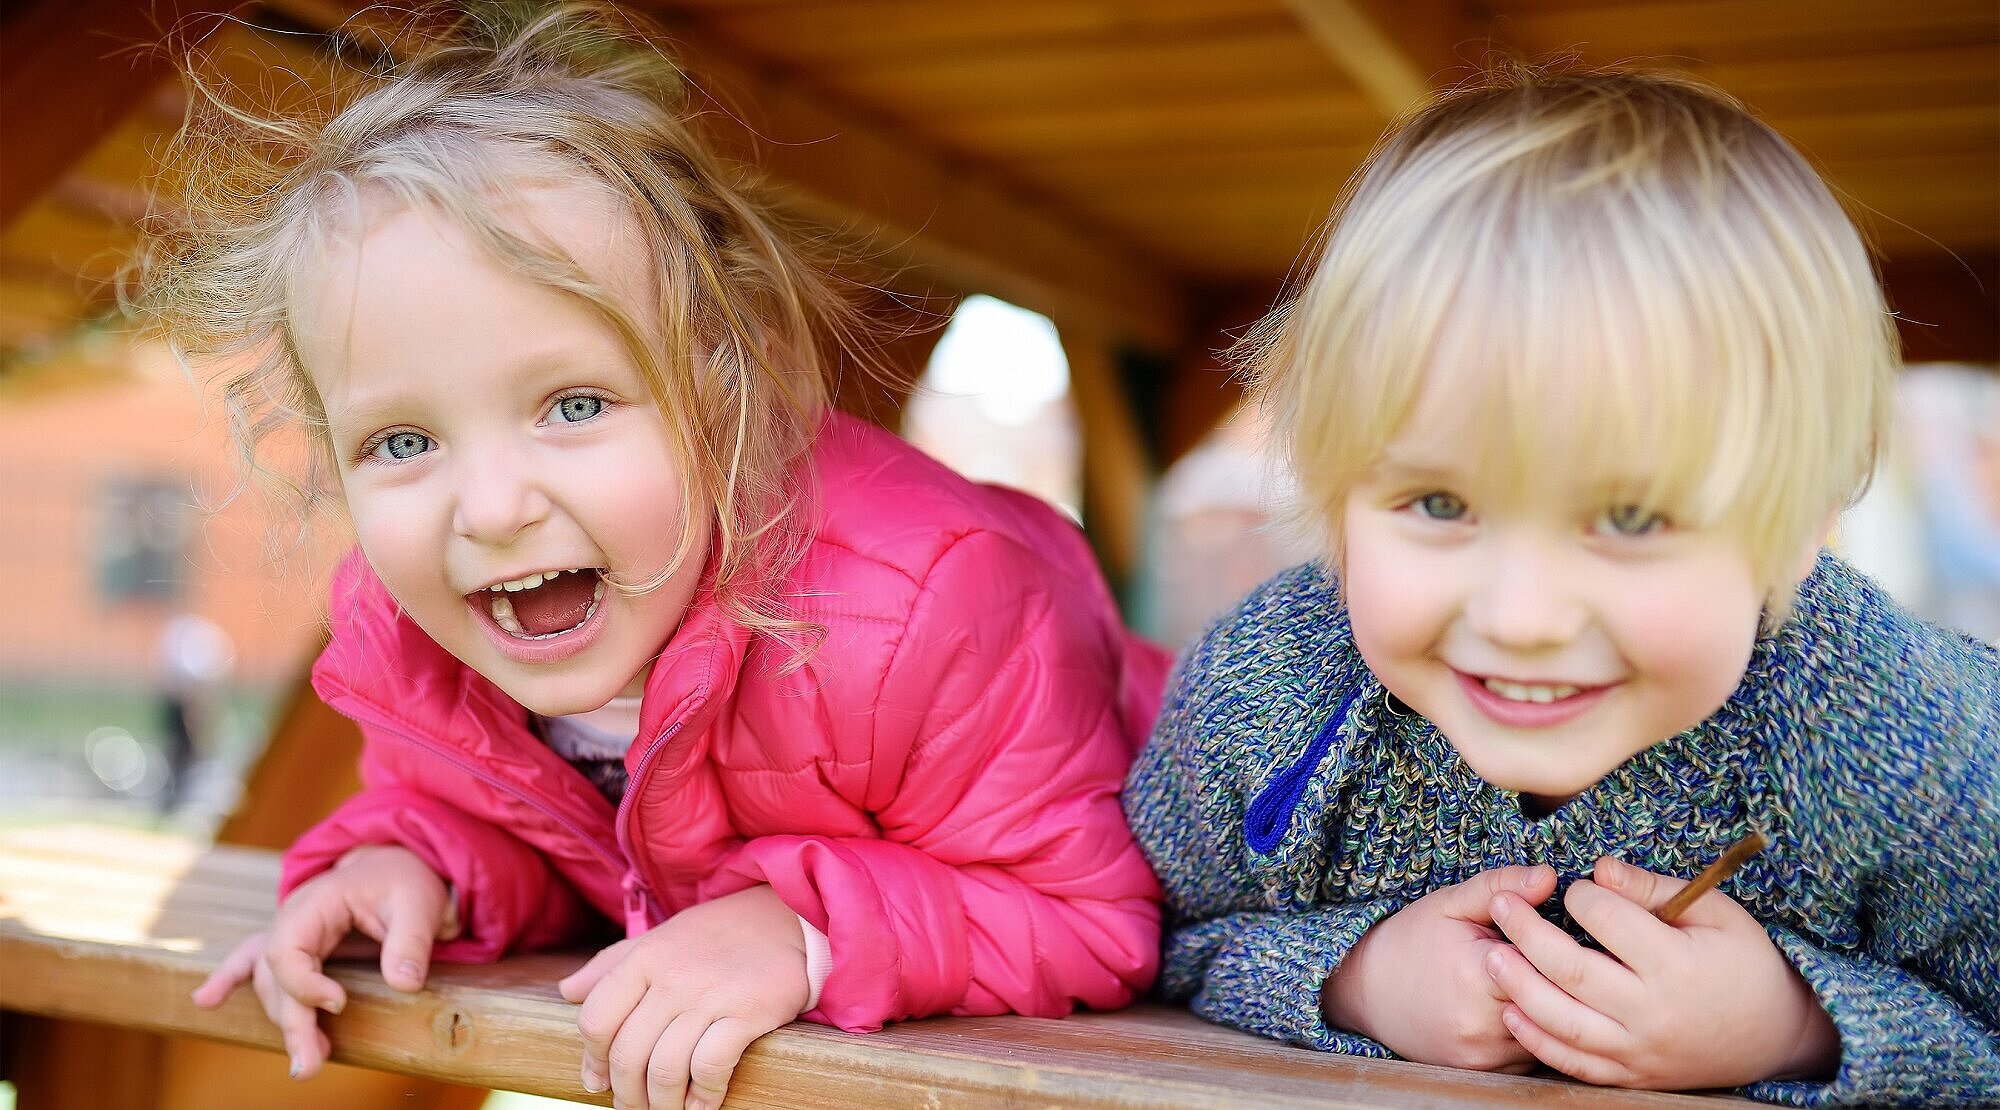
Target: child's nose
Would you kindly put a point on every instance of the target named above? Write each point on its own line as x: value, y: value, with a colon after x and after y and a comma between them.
x: 1526, y: 600
x: 495, y: 499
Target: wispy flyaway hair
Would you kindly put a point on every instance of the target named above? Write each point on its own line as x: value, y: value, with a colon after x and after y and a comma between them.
x: 495, y: 104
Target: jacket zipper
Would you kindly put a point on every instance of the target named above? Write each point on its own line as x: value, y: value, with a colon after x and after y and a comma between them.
x: 641, y: 909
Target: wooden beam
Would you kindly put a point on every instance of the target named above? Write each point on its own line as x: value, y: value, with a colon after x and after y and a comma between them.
x: 116, y: 926
x: 916, y: 207
x: 1117, y: 476
x: 1399, y: 53
x: 69, y: 71
x: 909, y: 205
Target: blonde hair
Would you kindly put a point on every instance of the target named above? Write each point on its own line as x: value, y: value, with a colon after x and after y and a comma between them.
x: 1645, y: 226
x: 576, y: 91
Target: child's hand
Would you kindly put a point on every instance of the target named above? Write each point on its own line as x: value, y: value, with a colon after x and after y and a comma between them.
x: 667, y: 1015
x: 387, y: 893
x: 1706, y: 1002
x: 1417, y: 980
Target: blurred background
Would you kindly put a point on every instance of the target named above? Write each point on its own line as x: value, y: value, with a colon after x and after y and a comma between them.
x: 1085, y: 201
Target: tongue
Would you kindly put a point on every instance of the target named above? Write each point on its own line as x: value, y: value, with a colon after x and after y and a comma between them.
x: 557, y: 605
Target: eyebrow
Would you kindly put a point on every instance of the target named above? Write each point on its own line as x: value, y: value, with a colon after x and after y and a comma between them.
x: 544, y: 366
x: 1410, y: 465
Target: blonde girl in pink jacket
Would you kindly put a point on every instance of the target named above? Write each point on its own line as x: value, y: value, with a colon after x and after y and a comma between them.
x: 638, y: 631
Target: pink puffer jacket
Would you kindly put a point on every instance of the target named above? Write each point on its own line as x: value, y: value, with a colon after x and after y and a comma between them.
x: 936, y: 790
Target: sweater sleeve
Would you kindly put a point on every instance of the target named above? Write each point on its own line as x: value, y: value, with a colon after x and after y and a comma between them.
x: 1904, y: 1040
x: 1248, y: 943
x: 1900, y: 799
x: 1004, y: 878
x: 1917, y: 1000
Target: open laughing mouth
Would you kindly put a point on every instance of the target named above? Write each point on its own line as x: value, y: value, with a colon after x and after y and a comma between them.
x: 542, y: 605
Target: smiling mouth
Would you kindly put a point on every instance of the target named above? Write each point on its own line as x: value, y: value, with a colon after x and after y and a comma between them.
x: 543, y: 605
x: 1536, y: 692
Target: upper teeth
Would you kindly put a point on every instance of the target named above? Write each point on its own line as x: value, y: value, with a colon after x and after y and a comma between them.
x: 1517, y: 691
x: 530, y: 581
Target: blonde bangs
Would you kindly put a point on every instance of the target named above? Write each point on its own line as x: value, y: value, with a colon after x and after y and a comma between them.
x: 1615, y: 275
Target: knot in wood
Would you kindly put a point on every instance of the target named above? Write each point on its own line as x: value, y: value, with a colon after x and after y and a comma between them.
x: 451, y: 1030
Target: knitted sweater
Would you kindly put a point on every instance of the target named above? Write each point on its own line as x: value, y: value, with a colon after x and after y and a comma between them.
x: 1288, y: 804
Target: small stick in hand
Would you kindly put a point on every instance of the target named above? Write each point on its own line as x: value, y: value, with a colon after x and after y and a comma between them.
x: 1724, y: 866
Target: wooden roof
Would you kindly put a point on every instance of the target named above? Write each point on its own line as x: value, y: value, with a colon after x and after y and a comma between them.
x: 1152, y: 167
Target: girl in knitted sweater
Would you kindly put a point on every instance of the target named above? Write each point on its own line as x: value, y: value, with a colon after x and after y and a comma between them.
x: 1585, y: 371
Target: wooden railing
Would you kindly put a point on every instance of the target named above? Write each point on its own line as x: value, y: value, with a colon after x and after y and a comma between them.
x: 115, y: 927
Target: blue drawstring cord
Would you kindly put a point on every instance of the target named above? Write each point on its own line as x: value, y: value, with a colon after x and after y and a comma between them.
x: 1270, y: 812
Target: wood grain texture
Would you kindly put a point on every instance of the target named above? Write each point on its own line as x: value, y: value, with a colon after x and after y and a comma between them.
x: 116, y: 927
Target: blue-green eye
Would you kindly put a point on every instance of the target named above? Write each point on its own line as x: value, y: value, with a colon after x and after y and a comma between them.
x: 1440, y: 506
x: 1630, y: 520
x: 578, y: 408
x: 401, y: 445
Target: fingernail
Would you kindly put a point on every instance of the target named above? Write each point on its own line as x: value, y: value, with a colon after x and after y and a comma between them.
x: 1611, y: 872
x: 1512, y: 1020
x: 334, y: 1005
x: 408, y: 969
x: 593, y: 1082
x: 1500, y: 909
x: 1493, y: 963
x: 297, y: 1067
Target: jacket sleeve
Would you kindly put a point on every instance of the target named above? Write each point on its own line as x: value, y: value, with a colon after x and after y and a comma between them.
x: 1004, y: 878
x: 509, y: 896
x: 1917, y: 1002
x: 1242, y: 948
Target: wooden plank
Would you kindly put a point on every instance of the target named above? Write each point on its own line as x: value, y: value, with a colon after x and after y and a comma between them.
x: 504, y: 1025
x: 911, y: 205
x: 1117, y: 476
x: 1260, y: 58
x: 1748, y: 29
x: 1218, y: 122
x: 69, y: 70
x: 1396, y: 52
x: 868, y: 31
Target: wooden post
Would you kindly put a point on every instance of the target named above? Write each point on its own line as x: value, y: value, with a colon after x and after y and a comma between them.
x: 1117, y: 475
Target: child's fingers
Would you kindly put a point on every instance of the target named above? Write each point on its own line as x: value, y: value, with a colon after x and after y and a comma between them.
x: 1551, y: 1008
x: 649, y: 1055
x: 606, y: 1010
x: 299, y: 974
x: 1623, y: 924
x: 577, y: 985
x: 234, y: 970
x: 714, y: 1061
x: 305, y: 1043
x: 301, y: 936
x: 1592, y: 978
x: 1471, y: 900
x: 1565, y: 1058
x: 409, y: 923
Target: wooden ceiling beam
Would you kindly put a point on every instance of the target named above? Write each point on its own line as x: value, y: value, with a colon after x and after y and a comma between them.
x: 1397, y: 52
x: 69, y: 71
x: 917, y: 208
x: 920, y: 215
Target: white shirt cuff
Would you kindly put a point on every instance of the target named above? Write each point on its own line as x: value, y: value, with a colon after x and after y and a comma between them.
x: 819, y: 961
